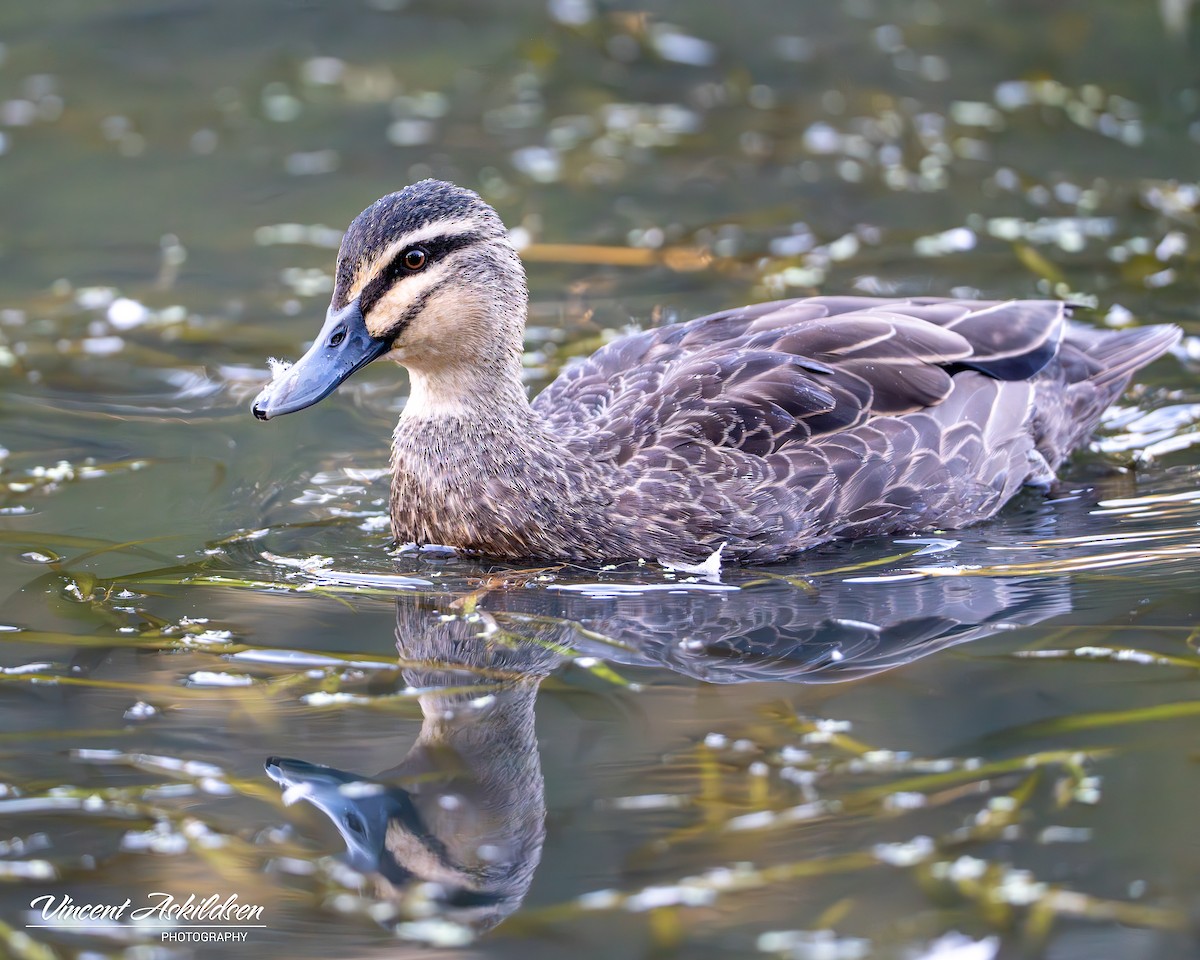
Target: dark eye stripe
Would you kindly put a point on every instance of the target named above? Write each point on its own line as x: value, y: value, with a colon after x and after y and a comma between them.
x: 413, y: 309
x: 436, y: 249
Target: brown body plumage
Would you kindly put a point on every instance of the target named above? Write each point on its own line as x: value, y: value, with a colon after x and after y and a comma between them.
x: 768, y: 429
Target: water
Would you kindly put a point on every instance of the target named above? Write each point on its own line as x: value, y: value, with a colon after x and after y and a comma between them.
x: 878, y: 748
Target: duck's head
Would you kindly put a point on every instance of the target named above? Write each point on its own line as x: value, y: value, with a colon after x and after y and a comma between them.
x: 425, y: 276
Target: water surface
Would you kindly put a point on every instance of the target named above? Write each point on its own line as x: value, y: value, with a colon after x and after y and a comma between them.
x: 880, y: 749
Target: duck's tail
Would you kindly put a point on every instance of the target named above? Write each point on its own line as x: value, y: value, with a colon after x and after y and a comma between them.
x: 1115, y: 356
x: 1094, y: 367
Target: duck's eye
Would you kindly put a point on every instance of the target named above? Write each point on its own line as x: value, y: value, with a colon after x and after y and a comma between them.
x: 415, y: 258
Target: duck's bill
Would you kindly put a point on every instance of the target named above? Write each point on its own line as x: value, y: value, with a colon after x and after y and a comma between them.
x: 343, y: 345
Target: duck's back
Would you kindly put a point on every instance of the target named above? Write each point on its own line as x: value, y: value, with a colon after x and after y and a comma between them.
x: 780, y: 425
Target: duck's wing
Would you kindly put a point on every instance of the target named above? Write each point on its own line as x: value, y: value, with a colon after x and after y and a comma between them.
x: 765, y: 378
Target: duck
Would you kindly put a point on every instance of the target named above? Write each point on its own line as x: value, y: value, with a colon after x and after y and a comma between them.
x: 751, y: 434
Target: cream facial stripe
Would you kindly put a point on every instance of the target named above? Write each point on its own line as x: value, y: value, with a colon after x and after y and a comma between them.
x: 396, y: 303
x: 366, y: 272
x: 398, y: 276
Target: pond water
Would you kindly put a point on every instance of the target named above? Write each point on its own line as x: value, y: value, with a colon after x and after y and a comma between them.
x: 219, y: 678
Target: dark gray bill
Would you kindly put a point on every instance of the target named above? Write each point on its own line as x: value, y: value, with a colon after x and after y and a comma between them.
x: 343, y: 345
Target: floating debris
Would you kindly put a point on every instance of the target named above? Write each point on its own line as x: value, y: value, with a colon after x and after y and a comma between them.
x: 709, y: 567
x: 210, y: 678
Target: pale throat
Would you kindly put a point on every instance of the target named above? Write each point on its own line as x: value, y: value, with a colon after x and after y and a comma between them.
x: 463, y: 357
x: 480, y: 391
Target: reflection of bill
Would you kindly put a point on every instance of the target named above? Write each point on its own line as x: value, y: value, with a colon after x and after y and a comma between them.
x: 462, y: 816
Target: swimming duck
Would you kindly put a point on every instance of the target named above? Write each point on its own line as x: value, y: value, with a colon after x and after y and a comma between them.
x: 766, y: 429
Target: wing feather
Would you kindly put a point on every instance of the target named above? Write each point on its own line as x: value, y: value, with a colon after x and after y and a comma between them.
x: 825, y: 416
x: 761, y: 378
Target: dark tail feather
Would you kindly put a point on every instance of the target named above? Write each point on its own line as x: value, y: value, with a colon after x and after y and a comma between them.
x: 1094, y: 366
x: 1116, y: 356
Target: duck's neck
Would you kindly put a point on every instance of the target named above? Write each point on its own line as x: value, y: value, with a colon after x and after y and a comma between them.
x: 484, y: 391
x: 476, y: 467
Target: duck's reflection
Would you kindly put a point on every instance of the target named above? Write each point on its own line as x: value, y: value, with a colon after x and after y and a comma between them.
x: 464, y: 810
x: 845, y: 630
